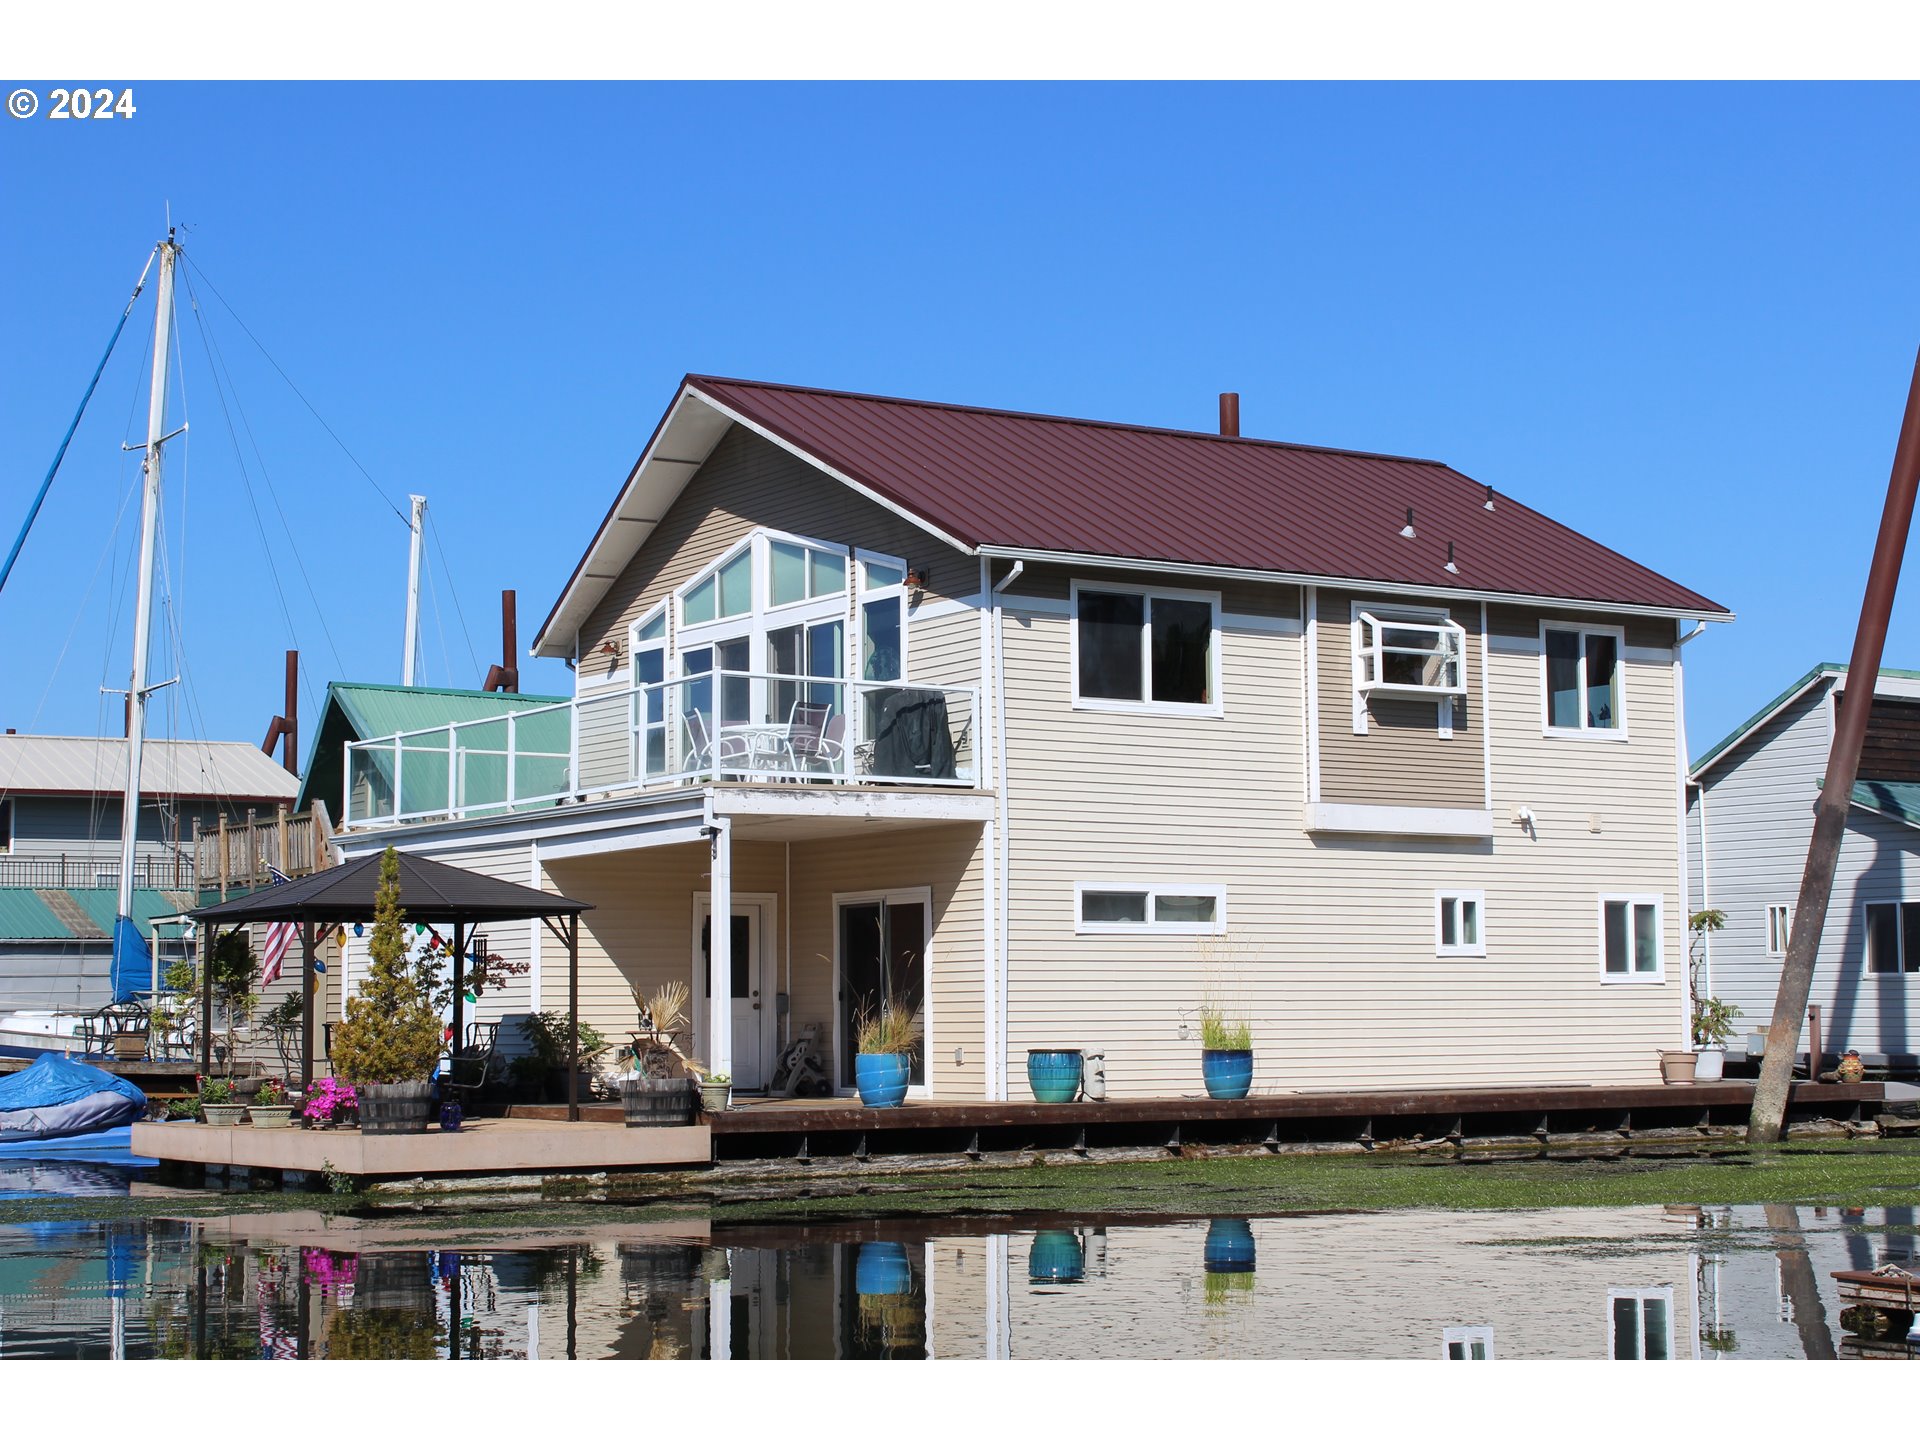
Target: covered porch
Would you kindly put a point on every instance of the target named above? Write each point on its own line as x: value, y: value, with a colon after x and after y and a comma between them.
x: 837, y: 902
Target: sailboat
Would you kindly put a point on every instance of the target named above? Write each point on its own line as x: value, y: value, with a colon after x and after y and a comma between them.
x: 133, y: 967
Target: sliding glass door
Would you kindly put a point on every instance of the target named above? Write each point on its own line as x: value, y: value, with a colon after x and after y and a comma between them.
x: 883, y: 962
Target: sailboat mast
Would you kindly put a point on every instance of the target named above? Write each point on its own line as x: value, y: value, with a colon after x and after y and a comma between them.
x: 143, y: 604
x: 408, y: 670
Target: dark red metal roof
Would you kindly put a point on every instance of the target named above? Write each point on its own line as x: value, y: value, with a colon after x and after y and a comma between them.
x: 1000, y: 478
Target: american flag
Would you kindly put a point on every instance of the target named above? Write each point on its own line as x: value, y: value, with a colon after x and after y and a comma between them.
x: 279, y: 937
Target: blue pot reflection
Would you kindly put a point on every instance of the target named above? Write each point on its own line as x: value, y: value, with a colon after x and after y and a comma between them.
x: 1056, y: 1256
x: 882, y: 1268
x: 1229, y: 1247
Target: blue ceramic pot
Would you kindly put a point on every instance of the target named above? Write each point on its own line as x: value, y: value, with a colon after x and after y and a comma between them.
x: 1229, y: 1248
x: 882, y: 1079
x: 1056, y: 1256
x: 1054, y: 1075
x: 882, y: 1268
x: 1228, y: 1073
x: 451, y: 1115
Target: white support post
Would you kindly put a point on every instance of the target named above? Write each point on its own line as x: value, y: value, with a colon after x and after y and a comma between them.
x: 720, y: 951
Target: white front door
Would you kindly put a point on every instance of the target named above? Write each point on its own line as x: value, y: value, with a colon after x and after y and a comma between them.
x: 751, y: 1001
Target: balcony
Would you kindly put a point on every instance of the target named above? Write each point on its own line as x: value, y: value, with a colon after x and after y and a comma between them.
x: 718, y: 727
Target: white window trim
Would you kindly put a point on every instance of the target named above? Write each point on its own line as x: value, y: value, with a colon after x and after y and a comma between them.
x: 1152, y: 890
x: 864, y: 595
x: 1390, y: 611
x: 1767, y: 931
x: 1467, y: 1334
x: 750, y: 543
x: 636, y: 725
x: 1900, y: 939
x: 1584, y: 731
x: 1146, y: 706
x: 1479, y: 946
x: 1650, y: 1292
x: 6, y: 829
x: 1656, y: 976
x: 766, y: 539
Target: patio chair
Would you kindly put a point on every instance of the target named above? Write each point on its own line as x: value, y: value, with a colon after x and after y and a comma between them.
x: 475, y: 1065
x: 704, y: 751
x: 806, y: 742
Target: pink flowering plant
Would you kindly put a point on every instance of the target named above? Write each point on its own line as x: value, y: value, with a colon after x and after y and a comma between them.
x: 328, y: 1270
x: 328, y: 1098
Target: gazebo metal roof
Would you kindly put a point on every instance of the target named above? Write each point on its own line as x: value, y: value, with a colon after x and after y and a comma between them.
x: 430, y: 892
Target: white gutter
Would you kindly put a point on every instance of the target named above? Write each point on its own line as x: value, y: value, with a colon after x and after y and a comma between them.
x: 1397, y: 587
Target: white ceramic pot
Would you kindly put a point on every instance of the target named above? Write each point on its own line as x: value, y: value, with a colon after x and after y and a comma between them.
x: 1712, y: 1064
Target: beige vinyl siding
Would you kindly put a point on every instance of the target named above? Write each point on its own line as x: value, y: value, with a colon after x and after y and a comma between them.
x: 944, y: 650
x: 748, y: 482
x: 1402, y: 759
x: 1330, y: 951
x: 950, y: 859
x: 1049, y: 582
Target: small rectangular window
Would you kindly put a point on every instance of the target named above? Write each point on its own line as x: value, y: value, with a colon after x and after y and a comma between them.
x: 1779, y: 930
x: 1458, y: 922
x: 1583, y: 680
x: 1640, y: 1324
x: 1145, y: 648
x: 1172, y: 909
x: 6, y: 826
x: 1406, y: 656
x: 1467, y: 1342
x: 1893, y: 938
x: 1630, y: 940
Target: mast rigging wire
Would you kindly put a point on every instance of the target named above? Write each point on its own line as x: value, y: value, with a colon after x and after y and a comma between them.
x: 39, y: 499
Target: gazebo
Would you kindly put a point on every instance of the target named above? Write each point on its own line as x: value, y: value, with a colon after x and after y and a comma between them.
x: 430, y: 893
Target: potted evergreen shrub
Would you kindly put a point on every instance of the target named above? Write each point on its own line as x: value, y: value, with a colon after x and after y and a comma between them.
x: 884, y: 1042
x: 270, y: 1109
x: 1226, y: 1054
x: 389, y: 1044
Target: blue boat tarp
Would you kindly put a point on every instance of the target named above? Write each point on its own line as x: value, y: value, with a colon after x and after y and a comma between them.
x: 56, y: 1096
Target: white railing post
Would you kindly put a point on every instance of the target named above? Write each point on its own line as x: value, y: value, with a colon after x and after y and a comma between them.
x: 456, y: 774
x: 399, y: 788
x: 511, y: 737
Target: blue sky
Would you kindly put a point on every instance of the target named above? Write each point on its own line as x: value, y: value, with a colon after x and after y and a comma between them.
x: 1681, y: 319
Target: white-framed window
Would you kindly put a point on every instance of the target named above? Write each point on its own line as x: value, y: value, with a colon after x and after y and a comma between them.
x: 1145, y: 649
x: 883, y: 616
x: 1779, y: 930
x: 647, y: 644
x: 1583, y: 680
x: 6, y: 825
x: 1893, y: 937
x: 723, y: 591
x: 802, y: 570
x: 1459, y: 922
x: 1130, y: 908
x: 1418, y: 659
x: 1631, y: 947
x: 1640, y: 1323
x: 1467, y: 1342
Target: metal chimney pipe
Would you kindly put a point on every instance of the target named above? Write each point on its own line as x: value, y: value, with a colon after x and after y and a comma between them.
x: 510, y: 640
x: 289, y: 737
x: 1229, y: 412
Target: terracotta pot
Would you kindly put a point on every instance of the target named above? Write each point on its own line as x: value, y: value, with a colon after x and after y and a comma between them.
x: 1677, y: 1066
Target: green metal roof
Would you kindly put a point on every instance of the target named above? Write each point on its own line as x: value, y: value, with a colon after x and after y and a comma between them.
x: 357, y: 711
x: 1896, y: 799
x: 26, y: 915
x: 1773, y: 707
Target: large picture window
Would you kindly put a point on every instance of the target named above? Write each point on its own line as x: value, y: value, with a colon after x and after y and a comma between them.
x: 1145, y: 649
x: 1584, y: 693
x: 1893, y: 938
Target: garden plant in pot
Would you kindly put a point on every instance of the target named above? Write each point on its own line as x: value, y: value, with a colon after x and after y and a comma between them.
x: 884, y: 1042
x: 1712, y: 1019
x: 1226, y: 1054
x: 220, y: 1103
x: 659, y: 1089
x: 544, y: 1068
x: 390, y: 1041
x: 270, y: 1108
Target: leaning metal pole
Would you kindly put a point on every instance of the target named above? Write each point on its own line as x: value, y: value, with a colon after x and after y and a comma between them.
x: 1836, y: 791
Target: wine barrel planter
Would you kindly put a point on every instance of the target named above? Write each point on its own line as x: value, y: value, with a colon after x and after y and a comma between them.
x: 1228, y: 1073
x: 882, y: 1079
x: 402, y: 1109
x: 647, y: 1101
x: 1054, y: 1075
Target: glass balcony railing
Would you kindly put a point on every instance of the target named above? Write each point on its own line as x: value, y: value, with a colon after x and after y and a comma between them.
x: 719, y: 727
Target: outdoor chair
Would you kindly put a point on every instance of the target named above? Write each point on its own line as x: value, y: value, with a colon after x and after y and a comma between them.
x: 475, y: 1065
x: 806, y: 741
x: 704, y: 752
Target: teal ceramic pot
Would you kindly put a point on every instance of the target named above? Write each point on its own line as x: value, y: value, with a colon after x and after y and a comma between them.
x: 1054, y: 1075
x: 1229, y: 1248
x: 1057, y: 1257
x: 882, y: 1268
x: 882, y: 1079
x: 1228, y: 1073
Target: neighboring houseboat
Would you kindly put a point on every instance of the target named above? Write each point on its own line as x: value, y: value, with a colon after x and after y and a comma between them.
x: 1749, y: 824
x: 60, y: 806
x: 1057, y: 729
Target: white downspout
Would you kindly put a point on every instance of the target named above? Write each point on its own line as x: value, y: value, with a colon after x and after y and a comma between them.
x: 1680, y: 775
x: 1000, y: 1056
